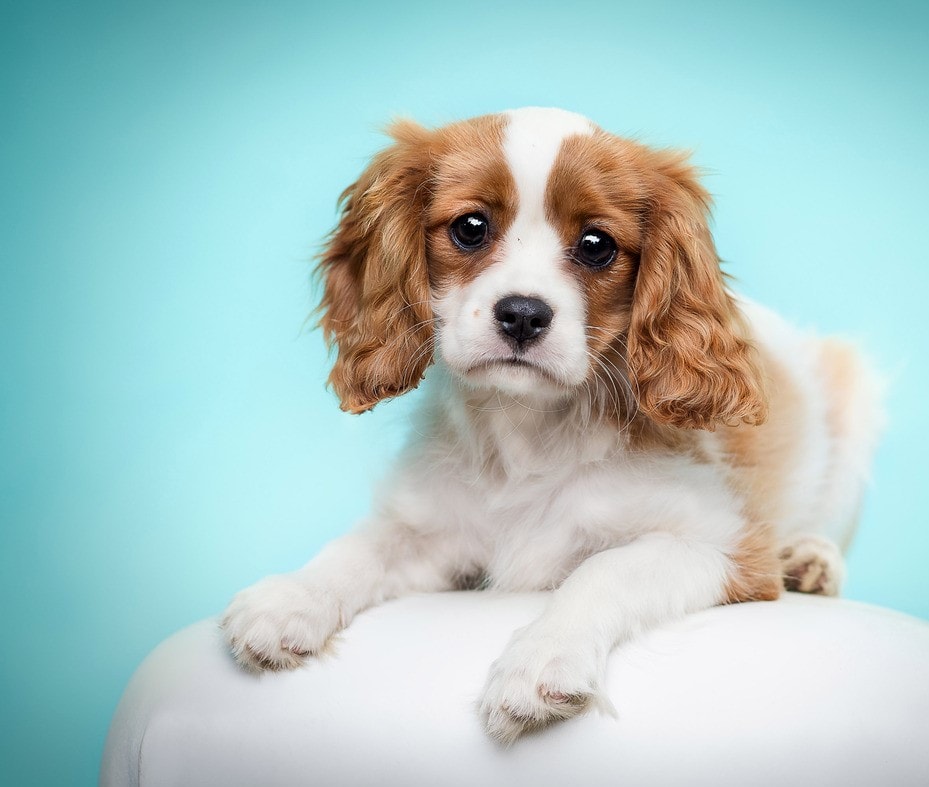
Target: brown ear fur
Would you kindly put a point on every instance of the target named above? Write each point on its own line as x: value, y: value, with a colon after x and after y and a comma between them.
x: 376, y: 307
x: 691, y: 366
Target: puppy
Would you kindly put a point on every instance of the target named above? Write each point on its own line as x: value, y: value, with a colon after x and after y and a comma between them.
x: 604, y: 419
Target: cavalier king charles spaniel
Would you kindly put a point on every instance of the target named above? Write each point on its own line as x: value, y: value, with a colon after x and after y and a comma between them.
x: 604, y: 419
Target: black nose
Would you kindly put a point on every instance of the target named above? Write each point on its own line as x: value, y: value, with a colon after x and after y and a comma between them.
x: 523, y: 318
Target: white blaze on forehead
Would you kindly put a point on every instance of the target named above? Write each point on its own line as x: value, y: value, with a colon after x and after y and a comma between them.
x: 532, y: 251
x: 531, y: 143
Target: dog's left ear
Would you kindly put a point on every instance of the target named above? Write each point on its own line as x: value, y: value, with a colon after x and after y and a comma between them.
x: 686, y: 353
x: 376, y: 304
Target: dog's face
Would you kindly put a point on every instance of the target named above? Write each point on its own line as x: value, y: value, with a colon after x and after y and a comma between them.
x: 511, y: 258
x: 540, y: 256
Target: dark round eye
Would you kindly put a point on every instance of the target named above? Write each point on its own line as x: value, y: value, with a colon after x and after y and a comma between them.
x: 469, y: 231
x: 595, y: 249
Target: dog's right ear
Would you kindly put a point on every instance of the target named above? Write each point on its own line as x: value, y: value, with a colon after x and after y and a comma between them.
x: 376, y: 303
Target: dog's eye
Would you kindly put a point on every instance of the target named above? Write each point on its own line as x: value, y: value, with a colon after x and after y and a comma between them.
x: 469, y: 231
x: 595, y: 249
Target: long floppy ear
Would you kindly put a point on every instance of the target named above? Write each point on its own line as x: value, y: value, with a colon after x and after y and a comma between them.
x: 376, y: 307
x: 686, y: 354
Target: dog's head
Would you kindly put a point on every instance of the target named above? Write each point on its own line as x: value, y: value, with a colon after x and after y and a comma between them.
x: 540, y: 256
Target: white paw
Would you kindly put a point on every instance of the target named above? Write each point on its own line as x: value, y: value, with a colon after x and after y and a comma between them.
x: 277, y: 622
x: 812, y: 564
x: 541, y: 678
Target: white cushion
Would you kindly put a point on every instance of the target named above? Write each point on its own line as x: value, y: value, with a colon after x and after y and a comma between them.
x: 805, y: 690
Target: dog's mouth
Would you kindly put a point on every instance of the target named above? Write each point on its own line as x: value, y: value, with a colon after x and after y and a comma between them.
x: 513, y: 363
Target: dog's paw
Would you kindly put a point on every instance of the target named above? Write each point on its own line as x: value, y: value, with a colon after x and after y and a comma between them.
x: 540, y: 679
x: 812, y: 564
x: 277, y: 622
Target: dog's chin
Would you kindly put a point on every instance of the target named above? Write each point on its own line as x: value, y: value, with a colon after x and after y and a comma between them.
x: 517, y: 377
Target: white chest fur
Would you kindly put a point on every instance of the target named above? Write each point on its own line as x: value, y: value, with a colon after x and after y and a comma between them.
x: 529, y: 494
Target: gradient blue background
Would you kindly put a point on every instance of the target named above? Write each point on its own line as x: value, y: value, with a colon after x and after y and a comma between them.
x: 167, y: 173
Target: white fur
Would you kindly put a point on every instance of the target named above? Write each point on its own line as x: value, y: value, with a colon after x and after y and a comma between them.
x: 529, y: 492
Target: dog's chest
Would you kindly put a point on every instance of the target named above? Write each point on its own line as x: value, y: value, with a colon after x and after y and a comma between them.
x: 531, y: 532
x: 526, y: 504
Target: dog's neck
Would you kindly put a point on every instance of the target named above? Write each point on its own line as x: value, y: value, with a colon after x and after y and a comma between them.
x: 522, y: 436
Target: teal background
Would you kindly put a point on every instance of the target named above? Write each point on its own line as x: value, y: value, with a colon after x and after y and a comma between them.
x: 168, y: 171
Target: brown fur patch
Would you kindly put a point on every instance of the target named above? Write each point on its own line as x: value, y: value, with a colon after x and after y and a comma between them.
x: 841, y: 369
x: 840, y: 365
x: 593, y: 185
x: 470, y: 176
x: 760, y: 461
x: 756, y: 574
x: 761, y: 457
x: 378, y: 266
x: 663, y: 300
x: 375, y: 305
x: 692, y: 367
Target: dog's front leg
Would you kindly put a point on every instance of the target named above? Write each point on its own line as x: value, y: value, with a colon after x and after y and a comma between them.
x: 279, y: 621
x: 554, y: 668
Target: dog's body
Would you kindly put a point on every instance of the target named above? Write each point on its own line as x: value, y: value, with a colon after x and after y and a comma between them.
x: 604, y: 420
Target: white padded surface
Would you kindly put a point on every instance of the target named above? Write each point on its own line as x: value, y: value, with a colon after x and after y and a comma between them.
x: 804, y: 690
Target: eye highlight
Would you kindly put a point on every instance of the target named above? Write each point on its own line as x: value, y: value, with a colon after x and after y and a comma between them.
x: 469, y: 232
x: 595, y: 249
